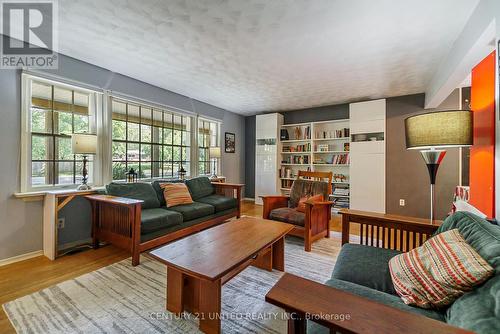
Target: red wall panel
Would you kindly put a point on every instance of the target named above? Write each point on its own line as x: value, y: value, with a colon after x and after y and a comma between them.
x: 482, y: 155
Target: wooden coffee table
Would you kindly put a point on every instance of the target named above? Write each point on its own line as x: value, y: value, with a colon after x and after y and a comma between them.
x: 198, y: 265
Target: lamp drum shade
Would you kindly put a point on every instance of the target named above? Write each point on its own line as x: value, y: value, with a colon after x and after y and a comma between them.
x: 439, y: 130
x: 84, y: 144
x: 214, y: 152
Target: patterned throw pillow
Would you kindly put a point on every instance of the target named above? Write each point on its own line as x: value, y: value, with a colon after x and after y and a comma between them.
x: 301, y: 207
x: 438, y: 272
x: 176, y: 194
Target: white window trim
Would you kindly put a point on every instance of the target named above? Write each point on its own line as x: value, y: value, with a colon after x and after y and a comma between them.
x: 95, y: 103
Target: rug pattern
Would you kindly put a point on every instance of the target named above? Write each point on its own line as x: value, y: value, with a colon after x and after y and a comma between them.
x: 123, y: 299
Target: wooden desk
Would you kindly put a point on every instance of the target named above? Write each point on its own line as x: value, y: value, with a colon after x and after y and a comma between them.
x: 198, y: 265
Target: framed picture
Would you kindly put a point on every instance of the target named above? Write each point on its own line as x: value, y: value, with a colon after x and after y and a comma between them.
x: 229, y: 142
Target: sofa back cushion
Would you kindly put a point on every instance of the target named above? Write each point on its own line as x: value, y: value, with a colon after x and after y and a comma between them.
x: 478, y: 310
x: 307, y: 188
x: 200, y: 187
x: 140, y: 190
x: 159, y: 191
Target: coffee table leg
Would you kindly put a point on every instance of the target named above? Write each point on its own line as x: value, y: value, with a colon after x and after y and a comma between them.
x: 210, y: 306
x: 174, y: 291
x: 279, y: 255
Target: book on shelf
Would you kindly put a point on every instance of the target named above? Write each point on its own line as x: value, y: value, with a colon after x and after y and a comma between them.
x: 338, y: 177
x: 297, y: 148
x: 296, y: 159
x: 340, y: 133
x: 340, y: 159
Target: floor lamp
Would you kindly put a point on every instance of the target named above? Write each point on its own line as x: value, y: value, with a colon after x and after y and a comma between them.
x: 432, y: 133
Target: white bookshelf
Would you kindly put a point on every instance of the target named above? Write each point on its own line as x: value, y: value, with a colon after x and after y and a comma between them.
x: 301, y: 152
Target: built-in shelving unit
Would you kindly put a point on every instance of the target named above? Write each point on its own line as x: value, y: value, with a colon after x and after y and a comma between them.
x: 317, y: 146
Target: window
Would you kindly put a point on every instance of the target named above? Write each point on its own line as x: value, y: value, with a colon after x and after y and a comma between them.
x: 208, y: 136
x: 154, y: 142
x: 53, y: 113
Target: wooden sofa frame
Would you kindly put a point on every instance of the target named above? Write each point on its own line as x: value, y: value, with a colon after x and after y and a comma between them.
x: 117, y: 220
x: 303, y: 299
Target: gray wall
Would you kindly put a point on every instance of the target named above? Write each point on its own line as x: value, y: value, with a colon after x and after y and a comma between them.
x: 250, y: 156
x: 21, y: 222
x: 406, y: 174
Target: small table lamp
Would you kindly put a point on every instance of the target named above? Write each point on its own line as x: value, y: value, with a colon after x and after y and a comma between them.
x: 431, y: 133
x: 214, y: 153
x: 84, y: 144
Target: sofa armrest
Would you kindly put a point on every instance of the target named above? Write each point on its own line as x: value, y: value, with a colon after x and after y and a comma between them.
x: 232, y: 190
x: 388, y: 231
x: 345, y: 312
x: 273, y: 202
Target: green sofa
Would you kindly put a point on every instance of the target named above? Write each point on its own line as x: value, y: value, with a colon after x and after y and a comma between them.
x: 363, y: 270
x: 213, y: 204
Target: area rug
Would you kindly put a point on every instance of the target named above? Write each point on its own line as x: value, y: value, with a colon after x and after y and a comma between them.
x: 123, y: 299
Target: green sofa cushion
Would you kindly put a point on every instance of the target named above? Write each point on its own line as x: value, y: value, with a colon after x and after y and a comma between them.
x: 200, y: 187
x: 221, y: 203
x: 156, y: 219
x: 159, y: 191
x: 140, y: 190
x: 478, y: 310
x: 193, y: 210
x: 378, y: 296
x: 365, y: 265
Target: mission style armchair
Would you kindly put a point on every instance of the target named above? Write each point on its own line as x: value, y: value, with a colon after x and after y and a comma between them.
x: 313, y: 223
x: 360, y: 298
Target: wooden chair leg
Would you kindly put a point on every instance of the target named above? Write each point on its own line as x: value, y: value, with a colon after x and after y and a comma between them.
x: 136, y: 256
x: 307, y: 241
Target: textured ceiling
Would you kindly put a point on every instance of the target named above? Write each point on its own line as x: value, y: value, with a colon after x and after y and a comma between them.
x: 250, y: 56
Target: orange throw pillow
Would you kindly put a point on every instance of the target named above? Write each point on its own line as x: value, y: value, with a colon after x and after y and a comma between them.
x: 176, y: 194
x: 301, y: 207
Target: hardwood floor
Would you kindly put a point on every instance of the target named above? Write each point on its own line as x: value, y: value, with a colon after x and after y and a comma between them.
x: 25, y: 277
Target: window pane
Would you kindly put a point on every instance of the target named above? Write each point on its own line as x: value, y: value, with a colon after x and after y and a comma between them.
x: 40, y: 173
x: 167, y: 136
x: 185, y: 153
x: 81, y: 124
x: 167, y: 153
x: 157, y: 135
x: 133, y: 152
x: 118, y: 151
x: 133, y: 131
x: 41, y: 95
x: 119, y: 129
x: 64, y: 122
x: 202, y: 154
x: 145, y: 152
x: 187, y: 167
x: 178, y: 122
x: 63, y: 99
x: 64, y: 151
x: 41, y: 120
x: 146, y: 133
x: 119, y: 170
x: 146, y: 117
x: 135, y: 166
x: 146, y: 170
x: 186, y: 120
x: 65, y: 171
x: 186, y: 138
x: 157, y: 170
x: 167, y: 169
x: 156, y: 153
x: 40, y: 146
x: 167, y: 120
x: 177, y: 137
x: 176, y: 153
x: 133, y: 113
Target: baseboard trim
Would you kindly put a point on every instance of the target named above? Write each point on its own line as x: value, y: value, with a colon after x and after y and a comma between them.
x: 21, y: 257
x: 249, y: 199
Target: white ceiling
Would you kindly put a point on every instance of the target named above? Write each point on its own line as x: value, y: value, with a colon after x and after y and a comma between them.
x: 250, y: 56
